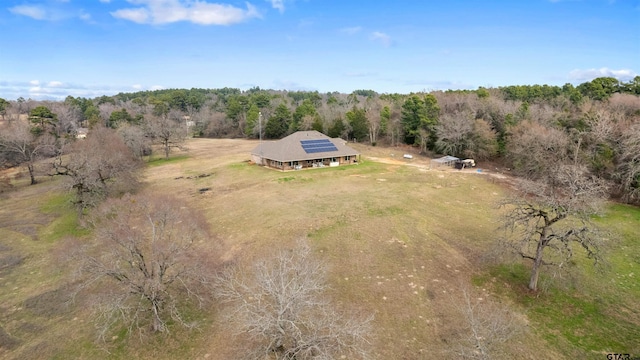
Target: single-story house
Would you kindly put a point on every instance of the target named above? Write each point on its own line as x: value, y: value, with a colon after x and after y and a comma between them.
x: 304, y: 149
x: 81, y: 133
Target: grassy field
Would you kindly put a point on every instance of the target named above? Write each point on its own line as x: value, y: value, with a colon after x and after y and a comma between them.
x: 401, y: 242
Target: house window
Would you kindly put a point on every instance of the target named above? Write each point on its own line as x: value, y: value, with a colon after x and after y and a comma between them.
x: 333, y: 160
x: 347, y: 158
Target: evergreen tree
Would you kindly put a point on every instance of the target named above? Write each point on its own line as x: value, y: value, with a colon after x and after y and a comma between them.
x: 278, y: 123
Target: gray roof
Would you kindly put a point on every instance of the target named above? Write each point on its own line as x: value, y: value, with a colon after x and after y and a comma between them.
x: 290, y: 148
x: 446, y: 159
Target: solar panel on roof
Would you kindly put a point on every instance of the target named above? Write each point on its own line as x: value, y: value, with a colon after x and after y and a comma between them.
x: 319, y: 150
x: 317, y: 146
x: 317, y: 141
x: 311, y: 146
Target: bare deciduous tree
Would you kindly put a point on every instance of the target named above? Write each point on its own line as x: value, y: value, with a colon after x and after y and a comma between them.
x: 395, y: 124
x: 105, y: 112
x: 145, y: 266
x: 134, y: 137
x: 534, y: 148
x: 553, y: 213
x: 453, y: 131
x: 373, y: 107
x: 97, y: 166
x: 21, y: 146
x: 69, y: 118
x: 282, y: 309
x: 483, y: 142
x: 628, y: 171
x: 486, y: 327
x: 216, y: 124
x: 168, y: 132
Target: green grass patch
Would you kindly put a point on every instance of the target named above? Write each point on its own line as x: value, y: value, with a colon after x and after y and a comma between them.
x: 56, y: 202
x: 65, y: 225
x: 66, y: 218
x: 162, y: 161
x: 385, y: 211
x: 240, y: 165
x: 287, y: 179
x: 622, y: 255
x: 576, y: 322
x: 588, y: 312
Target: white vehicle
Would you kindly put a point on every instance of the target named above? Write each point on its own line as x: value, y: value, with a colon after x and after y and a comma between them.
x: 469, y: 163
x: 464, y: 164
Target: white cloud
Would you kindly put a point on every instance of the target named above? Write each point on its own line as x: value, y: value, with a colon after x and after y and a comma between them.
x: 157, y: 87
x: 583, y: 75
x: 359, y: 74
x: 198, y: 12
x: 32, y: 11
x: 382, y: 38
x: 140, y: 15
x: 429, y: 85
x: 351, y: 30
x: 277, y: 4
x: 105, y: 1
x: 85, y: 16
x: 55, y: 90
x: 137, y: 86
x: 51, y: 11
x: 289, y: 85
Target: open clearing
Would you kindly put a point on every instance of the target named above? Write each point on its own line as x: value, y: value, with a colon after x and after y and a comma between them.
x: 400, y: 242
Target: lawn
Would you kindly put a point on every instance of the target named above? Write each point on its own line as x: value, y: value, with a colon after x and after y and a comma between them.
x: 400, y: 242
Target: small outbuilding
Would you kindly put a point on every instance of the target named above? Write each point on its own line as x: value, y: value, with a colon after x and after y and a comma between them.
x: 445, y: 161
x: 304, y: 149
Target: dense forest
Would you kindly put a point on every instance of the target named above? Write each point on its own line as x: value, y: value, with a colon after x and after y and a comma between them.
x: 524, y: 128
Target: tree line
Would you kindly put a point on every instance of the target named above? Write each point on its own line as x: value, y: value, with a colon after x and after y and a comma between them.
x: 594, y: 123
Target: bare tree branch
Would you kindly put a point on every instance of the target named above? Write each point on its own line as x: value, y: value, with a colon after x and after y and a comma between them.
x: 21, y: 146
x: 97, y: 166
x: 551, y: 214
x: 168, y: 131
x: 144, y: 267
x: 282, y: 309
x: 486, y: 326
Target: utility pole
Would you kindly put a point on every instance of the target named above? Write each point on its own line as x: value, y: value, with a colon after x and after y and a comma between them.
x: 260, y: 130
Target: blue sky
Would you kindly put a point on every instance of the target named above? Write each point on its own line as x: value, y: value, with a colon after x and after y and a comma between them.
x: 53, y: 48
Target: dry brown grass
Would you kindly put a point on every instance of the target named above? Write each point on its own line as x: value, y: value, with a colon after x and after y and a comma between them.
x: 398, y: 241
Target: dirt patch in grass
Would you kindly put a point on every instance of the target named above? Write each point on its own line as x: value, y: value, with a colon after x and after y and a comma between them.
x: 7, y: 342
x: 9, y: 261
x: 51, y: 303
